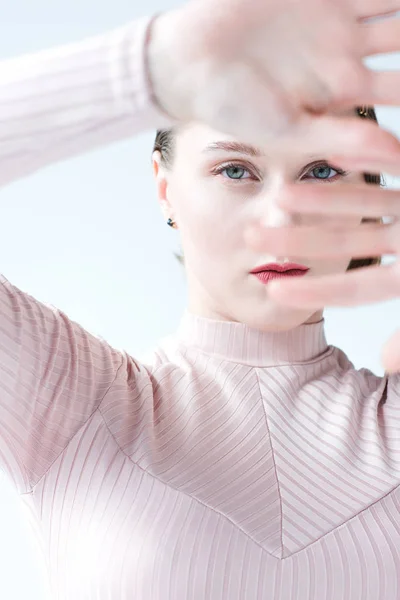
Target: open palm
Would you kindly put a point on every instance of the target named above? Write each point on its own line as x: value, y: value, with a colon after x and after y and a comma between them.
x: 356, y: 287
x: 257, y: 69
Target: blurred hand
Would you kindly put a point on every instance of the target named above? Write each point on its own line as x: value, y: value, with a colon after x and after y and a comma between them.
x: 355, y: 287
x: 261, y: 68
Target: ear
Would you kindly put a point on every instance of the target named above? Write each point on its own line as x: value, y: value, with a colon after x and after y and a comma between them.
x: 161, y: 177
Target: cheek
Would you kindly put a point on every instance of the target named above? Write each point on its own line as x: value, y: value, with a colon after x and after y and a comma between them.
x: 211, y: 233
x: 209, y: 219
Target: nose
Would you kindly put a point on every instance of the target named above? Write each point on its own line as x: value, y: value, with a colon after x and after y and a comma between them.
x: 273, y: 215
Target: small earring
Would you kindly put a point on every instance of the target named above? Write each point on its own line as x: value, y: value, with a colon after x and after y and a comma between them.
x: 363, y: 111
x: 172, y: 224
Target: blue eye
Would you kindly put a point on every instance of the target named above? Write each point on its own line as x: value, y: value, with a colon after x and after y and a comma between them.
x: 324, y: 172
x: 234, y: 171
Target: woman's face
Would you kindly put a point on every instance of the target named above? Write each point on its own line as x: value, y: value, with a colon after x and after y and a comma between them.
x: 215, y: 189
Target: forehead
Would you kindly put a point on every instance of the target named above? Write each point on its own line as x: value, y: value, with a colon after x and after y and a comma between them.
x: 196, y: 139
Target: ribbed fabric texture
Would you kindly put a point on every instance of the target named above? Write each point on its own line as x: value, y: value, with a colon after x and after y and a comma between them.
x: 65, y: 101
x: 230, y: 464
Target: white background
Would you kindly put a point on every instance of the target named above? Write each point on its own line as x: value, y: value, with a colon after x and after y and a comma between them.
x: 87, y: 236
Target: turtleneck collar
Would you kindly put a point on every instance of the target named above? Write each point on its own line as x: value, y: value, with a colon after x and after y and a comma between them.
x: 239, y: 343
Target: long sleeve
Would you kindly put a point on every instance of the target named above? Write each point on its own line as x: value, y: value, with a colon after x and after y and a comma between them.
x: 65, y: 101
x: 53, y: 376
x: 54, y: 105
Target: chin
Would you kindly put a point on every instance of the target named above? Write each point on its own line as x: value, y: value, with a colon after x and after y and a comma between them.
x: 277, y: 318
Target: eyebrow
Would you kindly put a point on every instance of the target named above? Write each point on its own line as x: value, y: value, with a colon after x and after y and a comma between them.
x: 238, y: 147
x: 242, y: 148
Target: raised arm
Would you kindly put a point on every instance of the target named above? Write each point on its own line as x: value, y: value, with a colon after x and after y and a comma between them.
x: 65, y: 101
x: 222, y: 66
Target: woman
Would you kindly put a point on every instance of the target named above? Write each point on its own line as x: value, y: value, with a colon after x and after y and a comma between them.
x: 237, y: 462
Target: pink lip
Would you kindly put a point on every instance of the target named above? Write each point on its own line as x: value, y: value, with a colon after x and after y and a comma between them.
x: 280, y: 268
x: 271, y: 271
x: 267, y: 276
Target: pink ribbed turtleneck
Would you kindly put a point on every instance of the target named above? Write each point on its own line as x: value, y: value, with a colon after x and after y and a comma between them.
x: 237, y: 342
x: 229, y: 464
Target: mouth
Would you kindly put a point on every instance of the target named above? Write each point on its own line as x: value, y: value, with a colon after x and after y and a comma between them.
x: 280, y: 268
x: 268, y: 272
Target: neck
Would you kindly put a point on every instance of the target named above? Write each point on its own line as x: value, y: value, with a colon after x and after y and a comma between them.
x: 240, y: 343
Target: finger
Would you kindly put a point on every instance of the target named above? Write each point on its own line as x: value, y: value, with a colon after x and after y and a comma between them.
x: 375, y: 166
x: 383, y: 88
x: 381, y: 37
x: 390, y: 355
x: 356, y: 200
x: 350, y: 139
x: 368, y: 239
x: 366, y: 9
x: 362, y: 286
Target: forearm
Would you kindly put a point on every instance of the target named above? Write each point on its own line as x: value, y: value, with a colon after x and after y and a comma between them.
x: 65, y: 101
